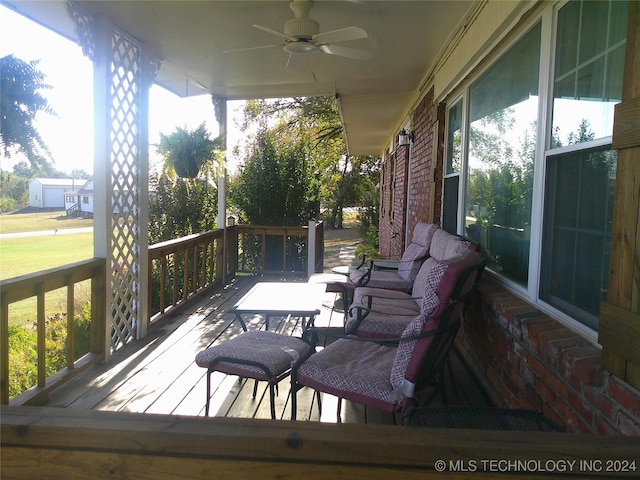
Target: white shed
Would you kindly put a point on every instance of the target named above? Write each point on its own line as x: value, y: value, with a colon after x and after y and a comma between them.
x: 49, y: 192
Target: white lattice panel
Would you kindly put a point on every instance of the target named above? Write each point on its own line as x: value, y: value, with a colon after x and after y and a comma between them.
x: 124, y: 191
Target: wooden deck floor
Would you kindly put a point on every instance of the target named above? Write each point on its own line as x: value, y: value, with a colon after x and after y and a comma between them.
x: 158, y: 375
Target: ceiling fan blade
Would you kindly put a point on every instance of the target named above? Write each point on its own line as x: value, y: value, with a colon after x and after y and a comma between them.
x: 296, y: 60
x: 346, y: 52
x: 248, y: 49
x: 341, y: 35
x: 275, y: 32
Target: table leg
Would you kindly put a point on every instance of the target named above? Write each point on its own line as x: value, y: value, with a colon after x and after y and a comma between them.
x: 239, y: 318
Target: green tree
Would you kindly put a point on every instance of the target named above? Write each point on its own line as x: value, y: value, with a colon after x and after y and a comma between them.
x: 21, y: 99
x: 344, y: 180
x: 277, y: 185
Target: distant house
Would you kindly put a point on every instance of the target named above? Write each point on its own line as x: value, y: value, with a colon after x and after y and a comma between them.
x: 50, y: 192
x: 79, y: 203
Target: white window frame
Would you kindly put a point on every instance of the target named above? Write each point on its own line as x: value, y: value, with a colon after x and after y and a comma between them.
x: 548, y: 19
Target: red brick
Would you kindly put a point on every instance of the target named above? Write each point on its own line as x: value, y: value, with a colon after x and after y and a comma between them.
x: 604, y: 427
x: 510, y: 384
x: 512, y: 307
x: 524, y: 402
x: 538, y: 367
x: 535, y: 331
x: 556, y: 384
x: 588, y: 369
x: 545, y: 392
x: 549, y: 412
x: 554, y: 343
x: 572, y: 420
x: 580, y: 407
x: 602, y: 404
x: 624, y: 394
x: 533, y: 396
x: 628, y: 425
x: 518, y: 380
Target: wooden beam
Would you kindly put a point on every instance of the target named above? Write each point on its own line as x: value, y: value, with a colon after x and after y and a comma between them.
x: 620, y: 331
x: 70, y: 444
x: 626, y: 130
x: 624, y: 271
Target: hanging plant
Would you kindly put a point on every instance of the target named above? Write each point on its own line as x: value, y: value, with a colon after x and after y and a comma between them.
x: 186, y: 151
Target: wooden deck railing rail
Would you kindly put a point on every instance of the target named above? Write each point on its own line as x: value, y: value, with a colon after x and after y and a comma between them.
x: 78, y: 444
x: 268, y: 249
x: 182, y: 267
x: 37, y: 285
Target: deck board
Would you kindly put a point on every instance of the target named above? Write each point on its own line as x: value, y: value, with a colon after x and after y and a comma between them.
x: 158, y: 374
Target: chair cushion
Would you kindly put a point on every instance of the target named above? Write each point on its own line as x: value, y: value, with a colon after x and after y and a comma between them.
x: 354, y: 370
x: 383, y: 300
x: 419, y: 324
x: 266, y: 348
x: 441, y: 283
x: 411, y: 260
x: 381, y: 324
x: 382, y: 279
x: 423, y: 234
x: 445, y: 246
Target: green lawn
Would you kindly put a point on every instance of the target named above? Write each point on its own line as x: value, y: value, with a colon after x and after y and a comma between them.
x: 32, y: 222
x: 19, y: 256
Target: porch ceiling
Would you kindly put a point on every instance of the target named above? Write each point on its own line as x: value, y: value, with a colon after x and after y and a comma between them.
x: 405, y: 39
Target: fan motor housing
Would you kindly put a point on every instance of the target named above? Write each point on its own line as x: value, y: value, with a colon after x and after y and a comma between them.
x: 303, y: 28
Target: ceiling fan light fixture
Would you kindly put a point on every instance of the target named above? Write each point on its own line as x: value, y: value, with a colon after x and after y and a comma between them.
x: 300, y: 48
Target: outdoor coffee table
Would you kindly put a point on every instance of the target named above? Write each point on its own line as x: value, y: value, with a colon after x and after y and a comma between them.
x: 280, y: 299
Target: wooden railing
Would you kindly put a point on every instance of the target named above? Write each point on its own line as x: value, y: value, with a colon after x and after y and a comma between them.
x: 267, y: 249
x: 37, y: 285
x: 179, y: 270
x: 183, y: 267
x: 39, y: 442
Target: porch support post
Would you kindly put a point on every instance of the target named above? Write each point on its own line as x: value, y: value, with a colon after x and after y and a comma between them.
x: 101, y: 161
x: 619, y: 329
x: 220, y: 108
x: 123, y: 74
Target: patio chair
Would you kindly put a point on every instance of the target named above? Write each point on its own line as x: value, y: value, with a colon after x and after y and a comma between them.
x: 391, y: 377
x: 383, y: 313
x: 401, y: 274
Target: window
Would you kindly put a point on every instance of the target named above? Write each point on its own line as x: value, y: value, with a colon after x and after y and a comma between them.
x: 502, y: 136
x: 540, y: 200
x: 452, y: 168
x: 577, y: 227
x: 580, y: 177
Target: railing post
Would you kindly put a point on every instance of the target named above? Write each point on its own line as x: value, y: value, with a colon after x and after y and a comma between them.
x: 4, y: 349
x: 71, y: 320
x: 311, y: 248
x: 99, y: 338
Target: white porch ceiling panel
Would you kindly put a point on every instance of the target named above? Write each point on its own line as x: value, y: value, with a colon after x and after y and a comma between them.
x: 191, y: 38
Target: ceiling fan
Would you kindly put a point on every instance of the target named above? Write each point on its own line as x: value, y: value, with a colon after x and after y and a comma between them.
x: 302, y: 36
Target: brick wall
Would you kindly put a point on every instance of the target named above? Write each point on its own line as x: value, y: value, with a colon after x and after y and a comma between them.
x: 399, y: 207
x: 525, y: 359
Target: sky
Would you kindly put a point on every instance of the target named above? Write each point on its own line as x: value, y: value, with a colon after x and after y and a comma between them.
x: 69, y: 135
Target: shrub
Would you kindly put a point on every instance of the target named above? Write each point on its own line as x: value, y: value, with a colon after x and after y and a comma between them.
x: 23, y: 354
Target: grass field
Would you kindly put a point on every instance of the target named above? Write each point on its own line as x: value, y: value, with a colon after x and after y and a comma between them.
x: 22, y: 255
x: 32, y: 222
x: 19, y: 256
